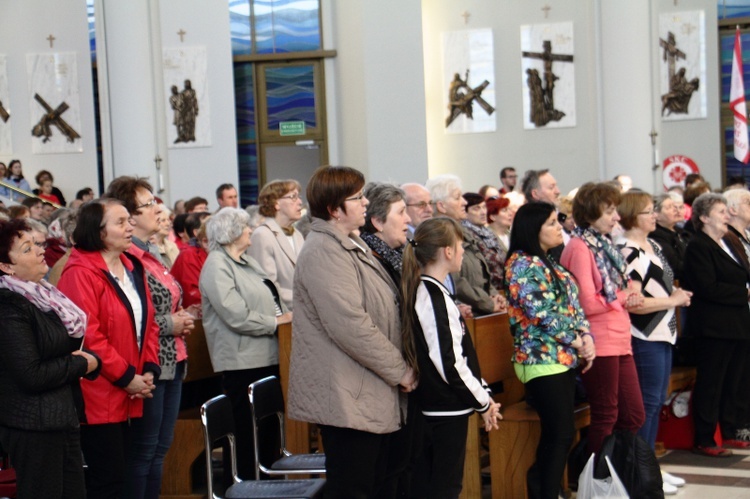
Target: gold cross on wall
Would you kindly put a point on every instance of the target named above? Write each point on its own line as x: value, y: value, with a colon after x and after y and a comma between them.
x: 466, y: 16
x: 546, y: 10
x: 51, y: 39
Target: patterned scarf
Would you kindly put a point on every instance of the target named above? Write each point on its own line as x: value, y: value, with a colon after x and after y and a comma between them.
x: 608, y: 260
x: 394, y: 258
x: 46, y: 297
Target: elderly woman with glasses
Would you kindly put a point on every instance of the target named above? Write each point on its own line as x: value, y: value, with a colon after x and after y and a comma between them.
x: 41, y: 332
x: 241, y: 310
x: 152, y: 435
x: 275, y: 242
x: 346, y: 366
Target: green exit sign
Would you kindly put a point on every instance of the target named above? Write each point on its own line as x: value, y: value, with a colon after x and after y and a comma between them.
x: 291, y: 128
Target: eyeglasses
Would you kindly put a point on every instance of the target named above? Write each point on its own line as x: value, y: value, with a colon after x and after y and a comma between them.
x: 647, y: 212
x: 41, y: 245
x: 292, y: 197
x: 356, y: 198
x: 146, y: 204
x: 421, y: 205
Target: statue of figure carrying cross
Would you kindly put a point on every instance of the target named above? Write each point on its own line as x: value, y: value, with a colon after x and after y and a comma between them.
x: 542, y: 97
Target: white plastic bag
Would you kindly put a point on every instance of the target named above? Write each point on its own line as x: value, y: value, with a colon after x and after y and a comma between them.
x: 591, y: 488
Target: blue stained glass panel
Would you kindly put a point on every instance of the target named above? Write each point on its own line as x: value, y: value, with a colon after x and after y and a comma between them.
x: 286, y: 25
x: 727, y: 51
x: 244, y: 100
x: 92, y: 30
x: 239, y: 25
x: 247, y: 156
x: 733, y: 8
x: 290, y: 95
x: 734, y: 166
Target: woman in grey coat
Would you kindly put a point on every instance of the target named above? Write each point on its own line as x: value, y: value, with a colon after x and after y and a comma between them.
x: 241, y: 310
x: 346, y: 366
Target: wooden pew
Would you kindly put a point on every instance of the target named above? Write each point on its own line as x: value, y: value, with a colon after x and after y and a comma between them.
x: 297, y: 432
x: 494, y: 345
x: 187, y: 447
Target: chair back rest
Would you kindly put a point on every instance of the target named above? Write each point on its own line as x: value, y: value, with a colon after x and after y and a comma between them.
x: 217, y: 419
x: 218, y: 422
x: 266, y: 398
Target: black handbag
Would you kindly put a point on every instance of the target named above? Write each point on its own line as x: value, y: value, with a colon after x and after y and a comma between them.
x: 635, y: 463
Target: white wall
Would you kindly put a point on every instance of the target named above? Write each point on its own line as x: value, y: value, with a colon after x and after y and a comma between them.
x: 614, y: 94
x: 571, y: 154
x: 136, y: 31
x: 199, y: 171
x: 375, y: 88
x: 24, y: 28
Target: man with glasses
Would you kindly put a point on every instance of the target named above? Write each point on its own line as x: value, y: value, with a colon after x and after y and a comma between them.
x: 418, y: 205
x: 508, y: 178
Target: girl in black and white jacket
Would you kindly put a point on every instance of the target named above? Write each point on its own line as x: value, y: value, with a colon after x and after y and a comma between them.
x: 437, y: 345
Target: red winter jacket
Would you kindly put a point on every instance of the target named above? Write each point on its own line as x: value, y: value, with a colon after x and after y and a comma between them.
x: 110, y: 334
x: 187, y: 270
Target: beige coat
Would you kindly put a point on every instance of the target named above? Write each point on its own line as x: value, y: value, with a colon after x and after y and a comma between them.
x: 271, y: 249
x: 346, y: 358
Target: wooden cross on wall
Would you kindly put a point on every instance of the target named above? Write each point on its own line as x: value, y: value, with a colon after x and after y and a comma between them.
x: 51, y: 39
x: 546, y: 10
x: 182, y: 34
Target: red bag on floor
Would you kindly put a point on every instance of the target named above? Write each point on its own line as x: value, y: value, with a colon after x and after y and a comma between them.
x: 676, y: 427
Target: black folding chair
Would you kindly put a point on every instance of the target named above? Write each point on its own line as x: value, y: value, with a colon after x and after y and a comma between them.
x: 218, y: 423
x: 266, y: 400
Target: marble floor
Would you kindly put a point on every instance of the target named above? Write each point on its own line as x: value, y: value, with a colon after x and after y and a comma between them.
x: 707, y: 477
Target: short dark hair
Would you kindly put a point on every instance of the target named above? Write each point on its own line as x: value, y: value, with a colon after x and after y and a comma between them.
x: 31, y: 202
x: 193, y: 202
x: 220, y: 190
x: 194, y: 221
x: 90, y: 224
x: 124, y: 188
x: 329, y: 187
x: 86, y: 191
x: 494, y: 205
x: 41, y: 174
x: 504, y: 171
x: 591, y: 200
x: 531, y: 182
x: 178, y: 224
x: 10, y: 230
x: 17, y: 210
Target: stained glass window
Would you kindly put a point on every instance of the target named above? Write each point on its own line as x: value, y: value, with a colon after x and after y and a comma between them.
x: 290, y: 95
x: 274, y: 26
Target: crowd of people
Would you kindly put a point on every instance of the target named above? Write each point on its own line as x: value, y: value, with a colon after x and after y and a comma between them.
x: 99, y: 298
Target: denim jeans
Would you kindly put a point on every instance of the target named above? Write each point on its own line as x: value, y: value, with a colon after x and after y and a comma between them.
x: 653, y: 361
x: 151, y: 437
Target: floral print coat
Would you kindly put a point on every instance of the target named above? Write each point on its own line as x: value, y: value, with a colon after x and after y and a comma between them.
x: 544, y: 312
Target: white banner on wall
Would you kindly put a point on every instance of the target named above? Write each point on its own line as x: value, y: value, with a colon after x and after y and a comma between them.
x: 682, y: 65
x: 6, y: 143
x: 548, y: 75
x: 469, y: 81
x: 55, y: 110
x: 188, y: 116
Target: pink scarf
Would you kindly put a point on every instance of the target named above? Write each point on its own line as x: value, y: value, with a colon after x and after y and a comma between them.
x: 46, y: 297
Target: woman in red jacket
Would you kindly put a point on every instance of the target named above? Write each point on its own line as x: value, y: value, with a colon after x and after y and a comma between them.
x: 109, y: 286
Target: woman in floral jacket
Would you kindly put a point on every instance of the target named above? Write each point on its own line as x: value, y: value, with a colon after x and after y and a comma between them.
x: 550, y: 334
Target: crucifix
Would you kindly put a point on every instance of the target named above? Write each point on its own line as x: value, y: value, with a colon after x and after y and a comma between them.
x: 546, y: 10
x: 51, y: 39
x: 182, y: 34
x: 549, y: 77
x: 671, y: 52
x: 688, y: 29
x: 466, y: 16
